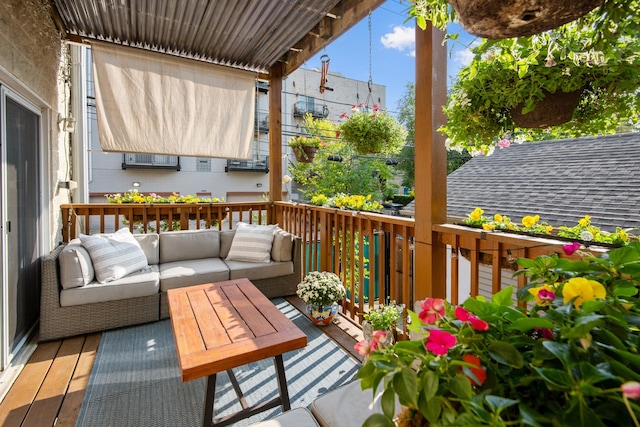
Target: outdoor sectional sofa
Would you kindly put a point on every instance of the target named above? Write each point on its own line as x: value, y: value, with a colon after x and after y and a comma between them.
x: 74, y: 302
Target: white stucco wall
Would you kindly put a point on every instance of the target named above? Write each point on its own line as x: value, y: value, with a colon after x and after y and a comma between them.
x: 30, y: 53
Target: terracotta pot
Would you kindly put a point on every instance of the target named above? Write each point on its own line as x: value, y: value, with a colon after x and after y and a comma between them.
x: 499, y: 19
x: 554, y: 109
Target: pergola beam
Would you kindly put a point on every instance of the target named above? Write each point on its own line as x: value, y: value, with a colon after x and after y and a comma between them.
x: 341, y: 18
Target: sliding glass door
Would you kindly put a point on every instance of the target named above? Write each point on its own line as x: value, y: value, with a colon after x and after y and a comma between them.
x: 21, y: 210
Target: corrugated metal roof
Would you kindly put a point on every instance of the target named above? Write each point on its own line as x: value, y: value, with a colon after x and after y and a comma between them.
x: 248, y: 34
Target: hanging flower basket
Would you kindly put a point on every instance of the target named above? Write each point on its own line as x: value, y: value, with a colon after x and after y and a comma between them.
x: 372, y: 132
x: 305, y: 154
x: 305, y: 147
x: 499, y: 19
x: 554, y: 109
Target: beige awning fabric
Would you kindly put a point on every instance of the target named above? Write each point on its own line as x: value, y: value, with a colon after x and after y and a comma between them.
x: 153, y: 103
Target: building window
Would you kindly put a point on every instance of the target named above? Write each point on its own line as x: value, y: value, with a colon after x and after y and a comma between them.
x: 203, y: 164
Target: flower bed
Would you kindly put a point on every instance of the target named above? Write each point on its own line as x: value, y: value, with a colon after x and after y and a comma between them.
x: 583, y: 231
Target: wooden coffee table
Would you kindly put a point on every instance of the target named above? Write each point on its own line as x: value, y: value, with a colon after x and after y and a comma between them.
x: 220, y: 326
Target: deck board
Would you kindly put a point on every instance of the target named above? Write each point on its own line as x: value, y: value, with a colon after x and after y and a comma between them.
x: 75, y: 394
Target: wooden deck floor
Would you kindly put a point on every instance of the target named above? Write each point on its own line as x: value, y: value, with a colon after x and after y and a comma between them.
x: 50, y: 388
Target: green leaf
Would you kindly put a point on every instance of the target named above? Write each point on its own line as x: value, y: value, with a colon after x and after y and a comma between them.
x: 461, y: 387
x: 560, y: 350
x: 405, y: 384
x: 556, y: 378
x: 529, y: 416
x: 431, y: 408
x: 528, y: 323
x: 430, y: 383
x: 503, y: 297
x: 497, y: 403
x: 378, y: 420
x: 505, y: 353
x: 388, y: 402
x: 623, y: 255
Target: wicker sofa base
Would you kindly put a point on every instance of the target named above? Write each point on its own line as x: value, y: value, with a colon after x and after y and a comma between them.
x: 59, y: 322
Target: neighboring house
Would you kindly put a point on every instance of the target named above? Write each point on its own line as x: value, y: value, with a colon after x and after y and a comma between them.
x: 562, y: 181
x: 234, y: 180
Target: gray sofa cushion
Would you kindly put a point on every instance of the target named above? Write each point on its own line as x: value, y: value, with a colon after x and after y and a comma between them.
x: 189, y: 244
x: 76, y: 268
x: 226, y: 237
x: 140, y: 284
x: 179, y: 274
x: 282, y: 245
x: 150, y: 244
x: 258, y: 270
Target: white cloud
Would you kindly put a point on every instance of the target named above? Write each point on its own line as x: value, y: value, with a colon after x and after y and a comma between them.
x: 402, y: 38
x: 463, y: 57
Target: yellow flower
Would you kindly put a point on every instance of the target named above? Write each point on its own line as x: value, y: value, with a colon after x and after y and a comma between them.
x: 583, y: 290
x: 549, y: 229
x: 544, y: 294
x: 585, y: 221
x: 488, y: 227
x: 510, y: 226
x: 497, y: 218
x: 529, y: 221
x: 476, y: 214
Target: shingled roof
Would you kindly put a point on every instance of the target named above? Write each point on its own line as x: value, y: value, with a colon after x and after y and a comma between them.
x: 562, y: 181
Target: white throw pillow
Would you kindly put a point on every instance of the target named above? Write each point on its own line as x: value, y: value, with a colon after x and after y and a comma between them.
x: 252, y: 243
x: 114, y: 255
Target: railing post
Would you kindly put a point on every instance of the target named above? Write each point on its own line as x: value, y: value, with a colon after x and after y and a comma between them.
x: 325, y: 241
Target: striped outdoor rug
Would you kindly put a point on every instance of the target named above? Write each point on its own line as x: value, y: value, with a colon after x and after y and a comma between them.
x: 135, y: 379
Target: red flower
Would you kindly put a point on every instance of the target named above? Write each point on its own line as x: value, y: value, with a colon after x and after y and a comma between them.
x: 344, y: 116
x: 476, y: 375
x: 439, y: 342
x: 432, y: 310
x: 465, y: 316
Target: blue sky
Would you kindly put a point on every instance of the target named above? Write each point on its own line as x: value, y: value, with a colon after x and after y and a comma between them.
x: 392, y: 51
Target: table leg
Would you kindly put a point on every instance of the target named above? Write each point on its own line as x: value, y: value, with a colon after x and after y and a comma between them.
x: 207, y: 419
x: 282, y: 383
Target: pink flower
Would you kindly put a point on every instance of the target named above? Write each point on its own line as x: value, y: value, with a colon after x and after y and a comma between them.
x: 631, y: 389
x: 439, y: 342
x: 571, y: 248
x: 465, y: 316
x: 550, y: 63
x: 364, y: 347
x: 344, y: 116
x: 504, y: 143
x: 547, y: 296
x: 432, y: 310
x: 361, y: 105
x: 376, y: 107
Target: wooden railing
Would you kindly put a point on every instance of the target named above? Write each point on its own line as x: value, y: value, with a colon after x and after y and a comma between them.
x: 104, y: 217
x: 372, y: 253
